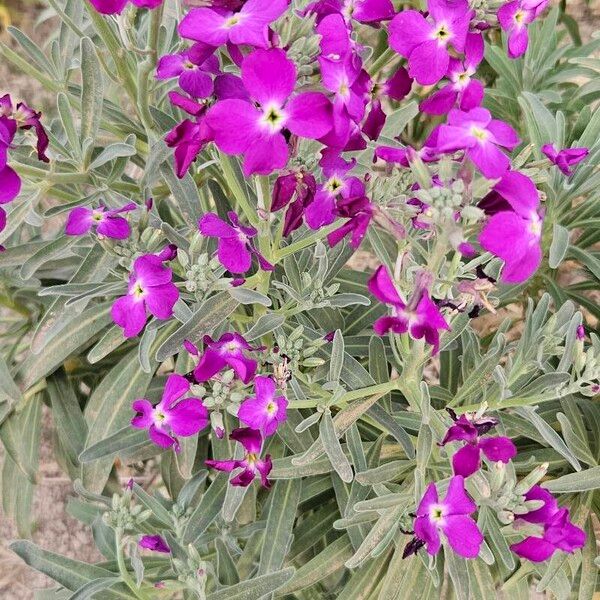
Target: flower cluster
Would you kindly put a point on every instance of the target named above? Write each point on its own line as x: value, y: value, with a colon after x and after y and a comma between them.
x: 12, y: 118
x: 452, y: 516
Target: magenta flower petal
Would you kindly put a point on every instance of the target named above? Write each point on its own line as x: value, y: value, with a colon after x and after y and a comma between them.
x: 204, y: 25
x: 517, y: 272
x: 369, y: 11
x: 546, y: 511
x: 188, y: 417
x: 534, y: 548
x: 463, y: 535
x: 269, y: 76
x: 234, y: 124
x: 210, y: 364
x: 243, y: 367
x: 175, y: 387
x: 212, y: 225
x: 161, y: 438
x: 108, y: 7
x: 170, y: 65
x: 143, y: 418
x: 150, y: 270
x: 234, y: 255
x: 161, y: 300
x: 116, y: 228
x: 407, y: 30
x: 503, y: 134
x: 79, y: 221
x: 10, y: 185
x: 250, y: 439
x: 466, y: 460
x: 457, y: 499
x: 498, y: 448
x: 441, y: 102
x: 196, y: 83
x: 129, y: 313
x: 265, y: 155
x: 428, y: 62
x: 222, y: 465
x: 383, y: 288
x: 154, y: 543
x: 490, y: 160
x: 309, y: 115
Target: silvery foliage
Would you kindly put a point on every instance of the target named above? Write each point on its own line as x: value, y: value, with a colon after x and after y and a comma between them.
x: 359, y: 445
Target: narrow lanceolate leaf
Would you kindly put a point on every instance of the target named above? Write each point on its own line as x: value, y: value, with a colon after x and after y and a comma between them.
x: 109, y: 409
x: 254, y: 588
x: 71, y: 574
x: 575, y: 482
x: 81, y: 330
x: 333, y: 448
x: 125, y: 441
x: 337, y: 357
x: 91, y: 91
x: 207, y: 509
x: 278, y: 532
x: 88, y: 590
x: 327, y: 562
x: 559, y: 246
x: 205, y: 319
x: 10, y: 393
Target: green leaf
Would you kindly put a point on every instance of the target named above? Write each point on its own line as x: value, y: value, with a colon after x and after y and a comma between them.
x: 71, y: 574
x: 92, y: 91
x: 205, y: 320
x: 207, y: 509
x: 52, y: 250
x: 337, y: 357
x: 109, y: 410
x: 559, y: 246
x: 583, y: 481
x: 112, y: 152
x: 254, y: 588
x: 265, y: 324
x: 333, y: 449
x: 88, y: 590
x: 280, y: 522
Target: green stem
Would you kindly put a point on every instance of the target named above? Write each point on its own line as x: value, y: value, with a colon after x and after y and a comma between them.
x: 125, y: 576
x: 237, y: 191
x: 381, y: 388
x: 304, y: 242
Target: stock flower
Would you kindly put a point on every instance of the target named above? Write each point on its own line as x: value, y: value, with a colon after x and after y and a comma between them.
x: 255, y: 127
x: 188, y: 138
x: 420, y: 317
x: 248, y: 26
x: 265, y: 411
x: 300, y: 185
x: 154, y: 543
x: 359, y: 212
x: 108, y: 223
x: 251, y: 464
x: 424, y: 41
x: 514, y: 18
x: 193, y: 67
x: 450, y: 517
x: 150, y: 290
x: 235, y: 248
x: 461, y: 90
x: 363, y: 11
x: 467, y: 460
x: 558, y: 531
x: 172, y: 416
x: 112, y: 7
x: 566, y: 158
x: 229, y: 350
x: 480, y: 136
x: 514, y: 230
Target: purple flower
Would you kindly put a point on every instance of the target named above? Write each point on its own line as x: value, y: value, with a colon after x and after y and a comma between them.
x: 154, y: 543
x: 188, y: 138
x: 480, y: 136
x: 424, y: 41
x: 403, y: 154
x: 467, y: 460
x: 462, y: 90
x: 299, y: 185
x: 111, y: 7
x: 150, y: 290
x: 251, y: 464
x: 193, y: 67
x: 449, y: 517
x: 359, y: 211
x: 235, y: 247
x: 255, y: 128
x: 108, y: 223
x: 25, y: 118
x: 558, y: 531
x: 172, y: 416
x: 420, y: 317
x: 248, y: 26
x: 228, y: 351
x: 265, y: 411
x: 363, y: 11
x: 514, y: 231
x: 566, y: 158
x: 514, y: 18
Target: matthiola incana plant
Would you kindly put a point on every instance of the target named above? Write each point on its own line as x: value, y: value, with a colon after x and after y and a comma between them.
x: 308, y: 291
